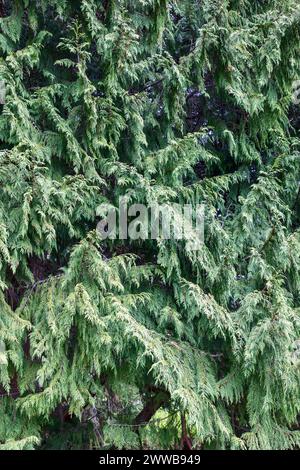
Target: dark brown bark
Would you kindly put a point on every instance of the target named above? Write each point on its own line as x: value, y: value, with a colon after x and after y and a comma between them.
x: 186, y: 441
x: 151, y: 407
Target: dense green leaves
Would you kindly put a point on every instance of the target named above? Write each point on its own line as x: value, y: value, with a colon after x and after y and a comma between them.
x: 127, y: 344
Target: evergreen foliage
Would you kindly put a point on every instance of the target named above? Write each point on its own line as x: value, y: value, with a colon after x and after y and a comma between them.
x: 149, y: 344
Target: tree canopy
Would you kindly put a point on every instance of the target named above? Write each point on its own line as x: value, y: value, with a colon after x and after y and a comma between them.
x: 147, y: 343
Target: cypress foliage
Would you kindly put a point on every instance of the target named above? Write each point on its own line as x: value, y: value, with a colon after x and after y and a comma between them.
x: 106, y: 343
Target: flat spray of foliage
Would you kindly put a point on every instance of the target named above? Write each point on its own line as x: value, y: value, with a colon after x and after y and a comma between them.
x: 183, y: 102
